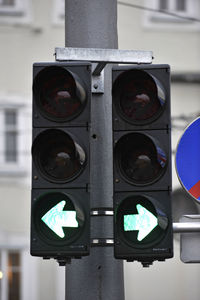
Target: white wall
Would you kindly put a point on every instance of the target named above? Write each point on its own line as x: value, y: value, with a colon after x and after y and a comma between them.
x: 163, y: 280
x: 21, y: 46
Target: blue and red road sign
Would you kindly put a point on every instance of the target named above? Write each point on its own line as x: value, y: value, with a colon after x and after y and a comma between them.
x: 188, y: 159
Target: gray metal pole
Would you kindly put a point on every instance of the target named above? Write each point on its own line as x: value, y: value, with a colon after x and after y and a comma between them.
x: 93, y: 24
x: 185, y: 227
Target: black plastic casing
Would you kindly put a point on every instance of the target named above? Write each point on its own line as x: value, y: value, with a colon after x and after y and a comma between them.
x: 77, y: 187
x: 159, y: 191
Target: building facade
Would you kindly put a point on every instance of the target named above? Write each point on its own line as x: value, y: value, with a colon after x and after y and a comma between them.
x: 29, y: 32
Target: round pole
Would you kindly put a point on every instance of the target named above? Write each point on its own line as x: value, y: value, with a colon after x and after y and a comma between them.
x: 93, y: 24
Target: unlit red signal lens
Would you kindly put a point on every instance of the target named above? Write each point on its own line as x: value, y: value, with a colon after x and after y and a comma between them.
x: 58, y: 156
x: 138, y: 97
x: 140, y: 158
x: 60, y: 94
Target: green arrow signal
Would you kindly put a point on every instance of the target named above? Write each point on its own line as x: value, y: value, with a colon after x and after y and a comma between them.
x: 144, y: 222
x: 57, y: 218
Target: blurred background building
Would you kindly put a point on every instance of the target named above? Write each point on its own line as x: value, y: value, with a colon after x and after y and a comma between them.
x: 29, y: 32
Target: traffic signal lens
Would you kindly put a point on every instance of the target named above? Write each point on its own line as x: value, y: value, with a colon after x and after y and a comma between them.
x: 140, y: 158
x: 56, y: 217
x: 60, y: 94
x: 58, y: 156
x: 138, y: 222
x: 138, y: 97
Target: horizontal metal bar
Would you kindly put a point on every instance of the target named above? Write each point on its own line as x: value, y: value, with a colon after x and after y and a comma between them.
x: 185, y: 227
x: 104, y: 55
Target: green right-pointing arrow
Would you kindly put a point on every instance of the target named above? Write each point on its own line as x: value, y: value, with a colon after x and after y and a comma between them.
x: 57, y: 218
x: 144, y: 222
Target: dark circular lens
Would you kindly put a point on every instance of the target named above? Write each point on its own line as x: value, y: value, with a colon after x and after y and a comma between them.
x: 59, y: 93
x: 139, y: 97
x: 137, y: 221
x: 58, y: 156
x: 140, y: 159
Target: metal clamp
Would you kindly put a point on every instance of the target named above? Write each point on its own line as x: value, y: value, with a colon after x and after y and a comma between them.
x: 101, y: 212
x: 101, y: 242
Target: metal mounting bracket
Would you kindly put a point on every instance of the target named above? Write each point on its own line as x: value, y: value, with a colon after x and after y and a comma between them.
x: 97, y: 79
x: 102, y: 57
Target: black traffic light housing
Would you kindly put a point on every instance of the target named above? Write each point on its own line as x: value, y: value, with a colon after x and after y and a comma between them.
x: 60, y: 206
x: 142, y: 163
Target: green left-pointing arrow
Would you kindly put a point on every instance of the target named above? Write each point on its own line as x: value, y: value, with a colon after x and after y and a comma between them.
x: 57, y: 218
x: 144, y: 222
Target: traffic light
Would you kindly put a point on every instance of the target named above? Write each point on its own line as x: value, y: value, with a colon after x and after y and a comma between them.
x: 142, y: 163
x: 60, y: 206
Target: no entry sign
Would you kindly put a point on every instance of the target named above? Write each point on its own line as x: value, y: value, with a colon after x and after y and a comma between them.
x: 188, y: 159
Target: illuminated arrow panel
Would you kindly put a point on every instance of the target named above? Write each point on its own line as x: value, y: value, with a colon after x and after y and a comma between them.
x: 144, y: 222
x: 142, y: 227
x: 60, y: 223
x: 56, y: 219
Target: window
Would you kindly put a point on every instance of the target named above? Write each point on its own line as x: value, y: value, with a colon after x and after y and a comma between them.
x: 8, y: 6
x: 10, y: 135
x: 59, y: 12
x: 163, y: 4
x: 175, y: 5
x: 178, y: 7
x: 15, y: 139
x: 10, y: 275
x: 14, y: 11
x: 18, y: 270
x: 186, y: 9
x: 181, y: 5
